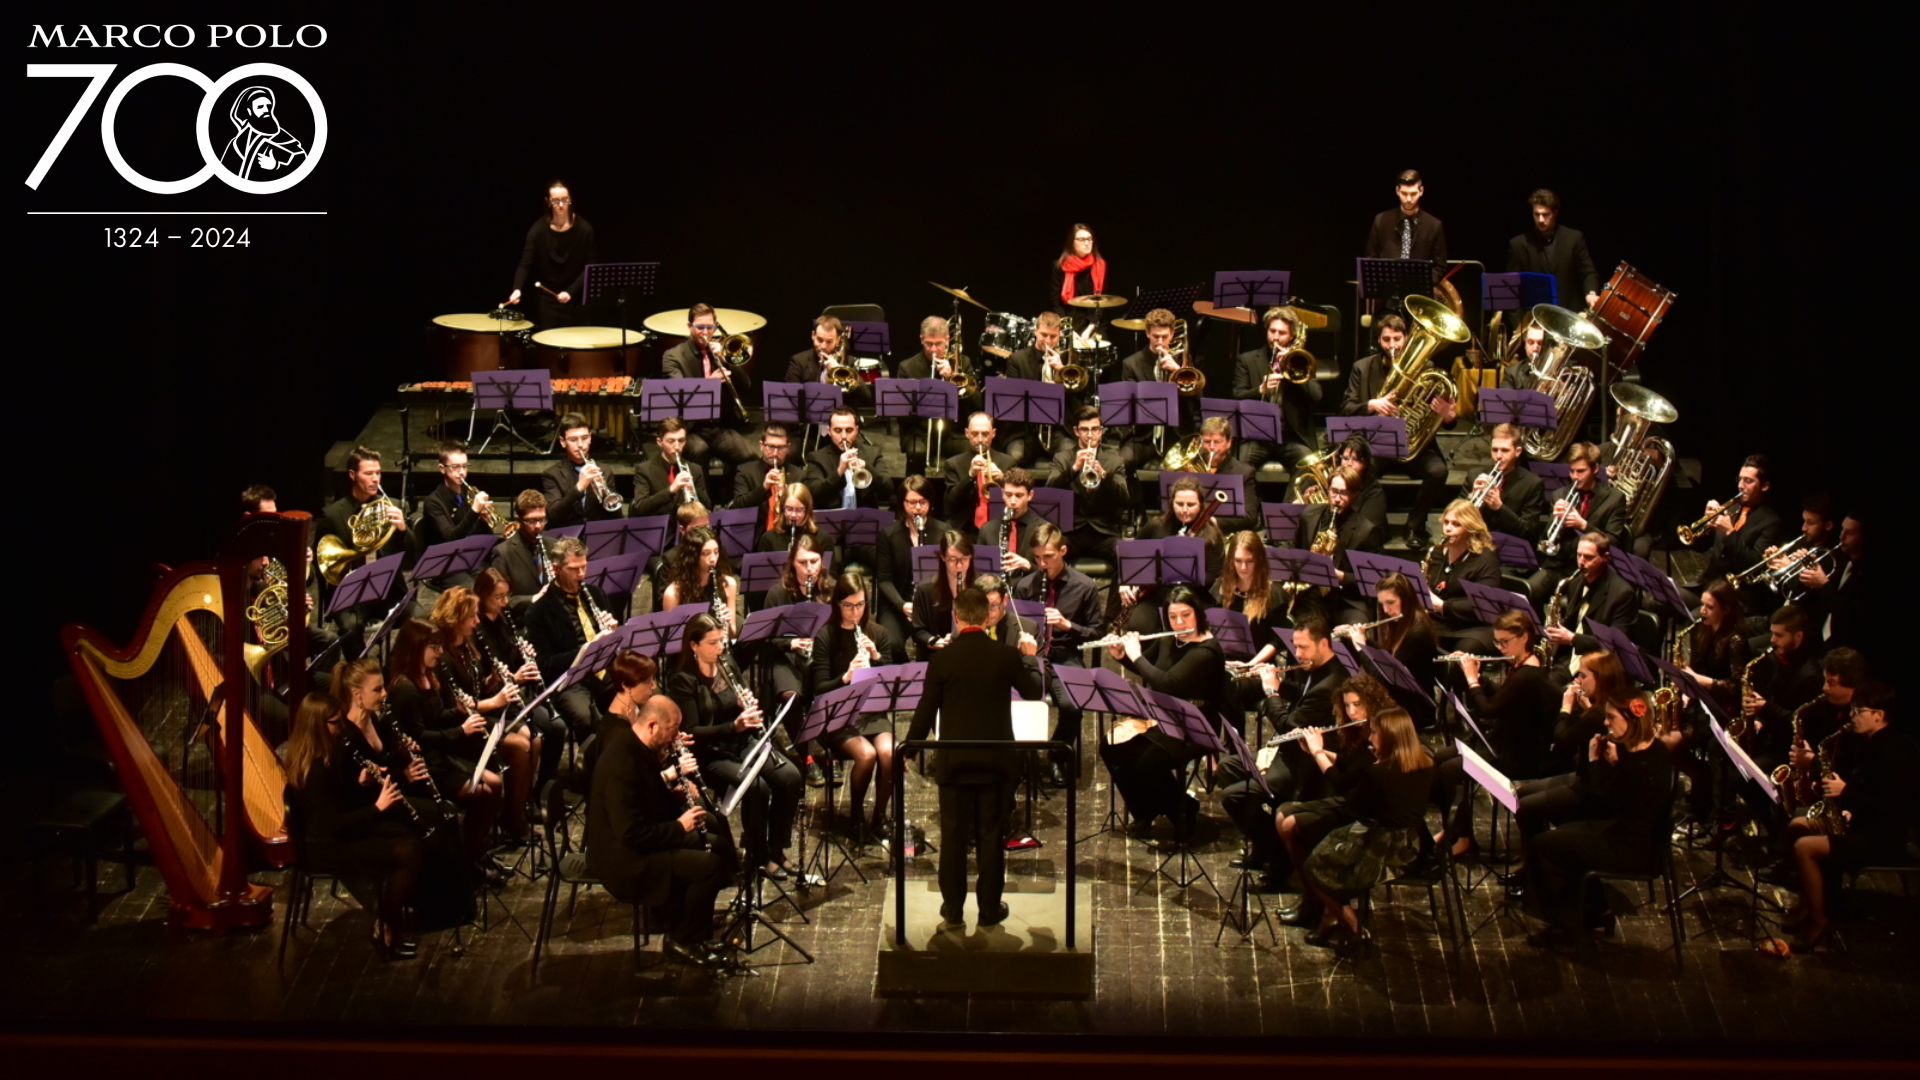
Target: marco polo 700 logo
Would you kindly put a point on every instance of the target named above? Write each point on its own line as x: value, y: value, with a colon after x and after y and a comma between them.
x: 243, y: 136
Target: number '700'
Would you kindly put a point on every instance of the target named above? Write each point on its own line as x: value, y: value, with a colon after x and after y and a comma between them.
x: 286, y: 169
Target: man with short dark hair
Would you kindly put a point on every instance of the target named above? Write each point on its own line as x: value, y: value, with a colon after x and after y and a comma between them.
x: 1367, y: 395
x: 1074, y: 609
x: 1257, y: 376
x: 1217, y: 458
x: 816, y: 364
x: 448, y: 514
x: 363, y: 474
x: 1144, y: 444
x: 758, y: 483
x: 670, y: 478
x: 1846, y: 603
x: 1407, y: 231
x: 699, y: 357
x: 1590, y: 505
x: 1516, y: 502
x: 931, y: 363
x: 570, y: 615
x: 1100, y: 511
x: 1552, y: 248
x: 1015, y: 523
x: 1595, y: 594
x: 525, y: 557
x: 569, y: 483
x: 1040, y: 362
x: 1789, y: 679
x: 1740, y: 536
x: 832, y: 477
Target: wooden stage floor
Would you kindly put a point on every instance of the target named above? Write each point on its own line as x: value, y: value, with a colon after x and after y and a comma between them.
x: 1161, y: 984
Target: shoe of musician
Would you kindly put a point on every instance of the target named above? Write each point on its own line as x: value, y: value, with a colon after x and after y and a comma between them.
x: 1056, y: 776
x: 776, y: 872
x: 816, y: 777
x: 953, y: 914
x: 1417, y: 540
x: 1306, y: 913
x: 492, y: 873
x: 698, y: 953
x: 1350, y: 946
x: 1326, y: 937
x: 995, y: 917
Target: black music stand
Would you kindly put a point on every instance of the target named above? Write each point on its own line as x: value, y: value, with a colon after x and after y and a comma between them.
x: 368, y: 583
x: 747, y: 910
x: 1211, y: 483
x: 800, y: 403
x: 1282, y: 519
x: 1719, y: 878
x: 626, y: 536
x: 1251, y: 289
x: 525, y: 390
x: 1642, y: 574
x: 1098, y: 690
x: 739, y: 529
x: 1179, y: 719
x: 1369, y: 568
x: 1517, y: 554
x: 932, y: 400
x: 859, y: 526
x: 453, y: 557
x: 1052, y: 504
x: 1237, y: 910
x: 622, y: 281
x: 1527, y: 408
x: 1389, y: 280
x: 552, y: 535
x: 1170, y: 561
x: 1345, y: 655
x: 1175, y: 298
x: 696, y: 401
x: 830, y: 712
x: 1386, y: 435
x: 1258, y: 421
x: 1490, y: 603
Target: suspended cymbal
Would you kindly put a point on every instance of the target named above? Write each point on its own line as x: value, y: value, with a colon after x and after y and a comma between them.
x: 1097, y: 300
x: 961, y: 293
x: 1129, y: 324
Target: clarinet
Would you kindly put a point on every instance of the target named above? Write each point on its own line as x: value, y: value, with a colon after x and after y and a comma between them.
x: 426, y: 829
x: 520, y: 642
x: 699, y: 796
x: 1006, y: 536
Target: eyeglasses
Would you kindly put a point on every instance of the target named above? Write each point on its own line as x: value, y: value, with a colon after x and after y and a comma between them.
x: 1503, y: 642
x: 559, y: 202
x: 702, y: 326
x: 852, y: 605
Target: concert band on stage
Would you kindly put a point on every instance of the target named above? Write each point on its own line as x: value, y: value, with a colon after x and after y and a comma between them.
x: 1524, y: 609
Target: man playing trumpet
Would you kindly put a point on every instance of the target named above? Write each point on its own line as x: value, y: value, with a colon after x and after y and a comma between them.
x: 1257, y: 376
x: 968, y: 475
x: 1098, y: 480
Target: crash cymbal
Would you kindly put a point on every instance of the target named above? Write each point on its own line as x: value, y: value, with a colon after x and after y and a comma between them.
x: 1129, y: 324
x: 961, y: 293
x: 1097, y: 300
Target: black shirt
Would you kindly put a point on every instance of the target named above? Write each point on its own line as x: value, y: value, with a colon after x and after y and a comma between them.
x: 557, y: 260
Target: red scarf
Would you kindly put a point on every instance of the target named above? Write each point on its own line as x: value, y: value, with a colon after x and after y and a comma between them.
x: 1073, y: 264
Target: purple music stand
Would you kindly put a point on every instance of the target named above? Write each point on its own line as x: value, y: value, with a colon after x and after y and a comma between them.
x: 800, y: 403
x: 1346, y: 657
x: 1100, y: 690
x: 762, y: 570
x: 524, y: 389
x: 1622, y: 646
x: 617, y: 576
x: 1689, y: 687
x: 1234, y: 486
x: 1369, y: 568
x: 1551, y: 471
x: 1282, y: 519
x: 1307, y: 567
x: 657, y: 632
x: 626, y: 536
x: 855, y: 527
x: 1385, y: 435
x: 785, y: 621
x: 1527, y: 408
x: 986, y: 560
x: 917, y: 399
x: 1051, y: 503
x: 1180, y: 719
x: 1030, y: 616
x: 1390, y: 670
x: 1238, y: 744
x: 1163, y: 562
x: 453, y: 557
x: 832, y: 711
x: 871, y: 338
x: 1488, y: 777
x: 551, y: 535
x: 594, y: 656
x: 1515, y: 552
x: 1642, y: 574
x: 1460, y: 710
x: 893, y: 688
x: 366, y: 584
x: 926, y: 562
x: 696, y: 401
x: 393, y: 618
x: 1490, y: 603
x: 1232, y: 630
x: 1026, y: 401
x: 738, y: 529
x: 1136, y: 404
x: 1251, y: 289
x: 1744, y: 762
x: 1258, y: 421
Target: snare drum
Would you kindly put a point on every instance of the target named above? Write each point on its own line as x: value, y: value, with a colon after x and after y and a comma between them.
x: 1630, y: 310
x: 476, y: 342
x: 586, y: 352
x: 1005, y: 334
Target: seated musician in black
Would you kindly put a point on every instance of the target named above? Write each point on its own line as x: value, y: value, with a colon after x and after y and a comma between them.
x: 1013, y: 532
x: 803, y: 580
x: 1186, y: 509
x: 569, y: 483
x: 1101, y: 511
x: 1515, y: 499
x: 1073, y: 618
x: 796, y: 520
x: 1789, y: 679
x: 1307, y: 697
x: 1191, y: 666
x: 504, y: 640
x: 816, y: 363
x: 894, y: 577
x: 724, y: 726
x: 1465, y: 553
x: 833, y: 477
x: 1216, y: 457
x: 673, y: 477
x: 1588, y: 505
x: 647, y: 840
x: 967, y: 475
x: 525, y: 557
x: 451, y: 737
x: 1409, y: 638
x: 1367, y: 396
x: 699, y: 357
x: 1518, y: 719
x: 1039, y: 362
x: 703, y: 575
x: 1874, y: 788
x: 1144, y: 444
x: 1813, y: 722
x: 1848, y: 606
x: 932, y: 615
x: 1593, y: 593
x: 1257, y: 377
x: 933, y: 362
x: 1740, y: 536
x: 1245, y: 587
x: 838, y: 653
x: 1332, y: 763
x: 1370, y: 501
x: 760, y: 482
x: 363, y: 473
x: 1352, y: 531
x: 687, y: 517
x: 1625, y: 796
x: 448, y: 514
x: 571, y: 614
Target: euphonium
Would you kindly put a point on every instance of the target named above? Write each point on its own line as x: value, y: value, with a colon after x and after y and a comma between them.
x: 368, y: 529
x: 1693, y: 531
x: 1411, y: 384
x: 1641, y: 462
x: 1180, y: 457
x: 1570, y: 384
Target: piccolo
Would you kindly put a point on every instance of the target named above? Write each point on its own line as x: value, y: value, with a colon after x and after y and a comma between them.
x: 1300, y: 733
x: 1115, y: 639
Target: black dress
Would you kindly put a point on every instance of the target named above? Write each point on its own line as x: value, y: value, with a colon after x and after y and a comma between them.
x: 833, y: 650
x: 708, y: 708
x: 1146, y: 770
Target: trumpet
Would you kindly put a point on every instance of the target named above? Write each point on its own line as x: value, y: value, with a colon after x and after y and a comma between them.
x: 1763, y: 570
x: 1550, y: 543
x: 678, y: 463
x: 1785, y: 579
x: 857, y: 469
x: 1091, y: 475
x: 1486, y: 484
x: 610, y: 500
x: 488, y: 515
x: 1693, y: 531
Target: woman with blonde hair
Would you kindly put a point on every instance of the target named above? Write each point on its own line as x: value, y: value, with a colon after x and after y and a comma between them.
x: 1465, y: 553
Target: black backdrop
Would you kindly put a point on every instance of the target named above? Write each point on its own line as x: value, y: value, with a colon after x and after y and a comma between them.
x: 783, y: 160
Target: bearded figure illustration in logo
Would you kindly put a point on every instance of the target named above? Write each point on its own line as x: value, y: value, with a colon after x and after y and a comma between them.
x: 259, y: 142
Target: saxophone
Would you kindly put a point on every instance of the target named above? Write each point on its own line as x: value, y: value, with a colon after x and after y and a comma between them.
x: 1797, y: 785
x: 1742, y: 728
x: 1823, y: 814
x: 1556, y: 614
x: 1325, y: 542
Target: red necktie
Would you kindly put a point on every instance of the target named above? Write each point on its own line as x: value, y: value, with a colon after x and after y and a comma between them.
x: 1586, y: 502
x: 980, y: 504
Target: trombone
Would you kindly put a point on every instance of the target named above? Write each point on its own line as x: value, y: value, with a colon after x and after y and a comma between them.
x: 840, y: 373
x: 1190, y: 381
x: 736, y: 352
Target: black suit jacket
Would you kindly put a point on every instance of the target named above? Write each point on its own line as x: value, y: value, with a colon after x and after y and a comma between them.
x: 824, y: 479
x: 1523, y: 503
x: 1356, y: 532
x: 1607, y: 513
x: 446, y: 516
x: 920, y: 366
x: 1306, y: 698
x: 806, y: 367
x: 633, y: 825
x: 963, y: 496
x: 651, y: 495
x: 1610, y: 600
x: 1368, y: 378
x: 1429, y: 236
x: 334, y: 522
x: 1023, y: 526
x: 1104, y: 509
x: 1859, y: 608
x: 683, y: 361
x: 750, y: 483
x: 1297, y: 400
x: 1566, y: 259
x: 554, y: 630
x: 1730, y: 553
x: 516, y: 558
x: 566, y: 505
x: 894, y: 574
x: 970, y: 682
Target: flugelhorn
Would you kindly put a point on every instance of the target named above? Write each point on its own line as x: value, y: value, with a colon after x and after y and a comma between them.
x: 857, y: 469
x: 488, y: 515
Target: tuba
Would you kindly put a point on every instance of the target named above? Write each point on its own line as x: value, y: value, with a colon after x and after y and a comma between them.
x: 369, y: 531
x: 1568, y: 382
x: 1410, y: 382
x: 1641, y: 462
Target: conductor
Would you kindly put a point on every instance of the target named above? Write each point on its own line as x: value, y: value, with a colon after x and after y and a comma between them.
x: 969, y: 681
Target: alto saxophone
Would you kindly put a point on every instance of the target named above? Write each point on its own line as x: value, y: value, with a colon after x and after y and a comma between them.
x: 1741, y: 729
x: 1824, y: 814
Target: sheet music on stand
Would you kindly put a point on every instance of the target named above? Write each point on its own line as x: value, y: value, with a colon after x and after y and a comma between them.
x: 1386, y: 435
x: 1623, y: 647
x: 461, y: 556
x: 868, y: 338
x: 1389, y: 669
x: 1490, y: 603
x: 1307, y: 567
x: 799, y: 403
x: 1232, y: 630
x: 758, y: 754
x: 1282, y: 519
x: 852, y: 528
x: 1517, y: 291
x: 1258, y: 421
x: 1139, y: 404
x: 1369, y: 568
x: 1170, y: 561
x: 692, y: 400
x: 507, y: 392
x: 1642, y: 574
x: 1460, y: 710
x: 762, y: 570
x: 1526, y: 408
x: 617, y: 575
x: 1484, y: 774
x: 739, y: 529
x: 368, y: 583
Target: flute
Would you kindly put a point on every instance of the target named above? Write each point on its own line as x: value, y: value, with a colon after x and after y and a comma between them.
x: 1454, y: 658
x: 1300, y: 733
x: 1115, y: 639
x: 1347, y: 630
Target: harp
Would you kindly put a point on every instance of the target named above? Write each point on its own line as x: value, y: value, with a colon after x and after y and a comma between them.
x: 179, y: 710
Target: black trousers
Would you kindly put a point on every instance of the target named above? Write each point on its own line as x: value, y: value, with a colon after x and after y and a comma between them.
x: 1257, y: 453
x: 972, y: 811
x: 1067, y: 723
x: 1430, y: 469
x: 1089, y: 543
x: 767, y: 813
x: 698, y: 877
x: 1293, y: 778
x: 577, y: 709
x: 1558, y: 860
x: 1147, y: 774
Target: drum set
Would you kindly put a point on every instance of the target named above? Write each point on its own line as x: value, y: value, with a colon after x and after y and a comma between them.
x: 1006, y: 333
